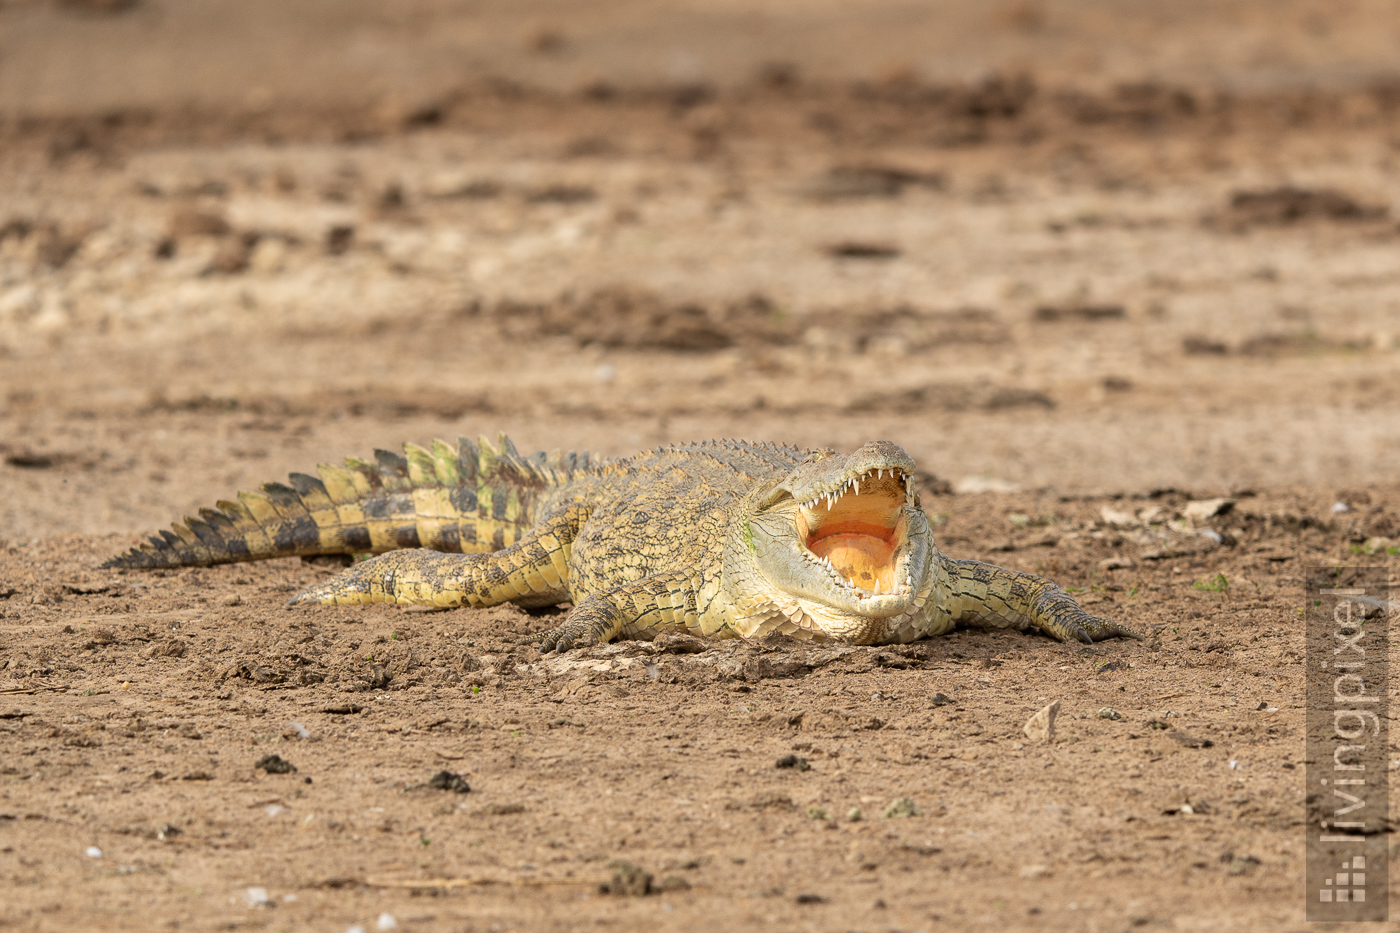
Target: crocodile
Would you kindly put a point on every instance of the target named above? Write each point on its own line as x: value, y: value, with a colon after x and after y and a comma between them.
x: 716, y: 539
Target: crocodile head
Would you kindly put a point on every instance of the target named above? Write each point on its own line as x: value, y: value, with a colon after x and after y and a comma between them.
x: 844, y: 538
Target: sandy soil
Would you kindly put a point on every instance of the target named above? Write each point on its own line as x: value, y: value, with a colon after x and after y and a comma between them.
x: 1092, y: 267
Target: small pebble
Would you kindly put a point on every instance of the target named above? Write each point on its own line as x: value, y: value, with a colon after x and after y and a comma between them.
x: 94, y: 852
x: 1109, y: 712
x: 1041, y: 726
x: 795, y: 762
x: 257, y: 897
x: 854, y: 815
x: 387, y: 922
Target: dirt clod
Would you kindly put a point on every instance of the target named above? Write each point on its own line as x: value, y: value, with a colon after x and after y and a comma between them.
x: 450, y: 781
x: 275, y: 764
x: 628, y: 880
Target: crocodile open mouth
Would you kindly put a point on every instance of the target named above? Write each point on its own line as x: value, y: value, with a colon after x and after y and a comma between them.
x: 858, y: 529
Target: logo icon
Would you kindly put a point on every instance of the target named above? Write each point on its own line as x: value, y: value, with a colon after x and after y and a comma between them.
x: 1350, y: 883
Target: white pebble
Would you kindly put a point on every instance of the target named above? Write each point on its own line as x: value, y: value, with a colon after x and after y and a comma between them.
x: 257, y: 897
x: 94, y: 852
x: 1339, y: 507
x: 387, y: 922
x: 300, y: 730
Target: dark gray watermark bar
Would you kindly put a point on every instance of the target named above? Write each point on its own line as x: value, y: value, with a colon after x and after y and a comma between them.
x: 1348, y: 763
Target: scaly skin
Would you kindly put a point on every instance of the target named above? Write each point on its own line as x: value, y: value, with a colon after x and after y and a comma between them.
x: 719, y: 539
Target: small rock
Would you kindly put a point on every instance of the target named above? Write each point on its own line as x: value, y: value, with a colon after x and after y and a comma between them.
x: 387, y: 922
x: 93, y: 852
x: 233, y: 599
x: 1041, y: 726
x: 810, y: 899
x: 901, y: 808
x: 855, y: 815
x: 817, y: 813
x: 1115, y: 563
x: 275, y: 764
x: 257, y: 897
x: 448, y: 780
x: 939, y: 699
x: 795, y: 762
x: 166, y: 648
x: 1031, y: 872
x: 1202, y: 509
x: 1339, y: 507
x: 1112, y: 516
x: 1155, y: 515
x: 1109, y: 712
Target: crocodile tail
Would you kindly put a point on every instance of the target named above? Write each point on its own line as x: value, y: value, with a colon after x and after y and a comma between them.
x: 469, y: 498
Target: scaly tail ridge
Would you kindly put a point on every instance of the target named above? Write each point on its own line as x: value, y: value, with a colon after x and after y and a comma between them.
x: 469, y: 498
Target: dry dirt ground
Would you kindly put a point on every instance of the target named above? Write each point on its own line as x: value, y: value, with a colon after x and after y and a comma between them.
x: 1093, y: 266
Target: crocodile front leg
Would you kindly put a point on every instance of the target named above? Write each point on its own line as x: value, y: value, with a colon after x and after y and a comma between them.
x: 532, y: 572
x: 643, y: 609
x: 983, y: 594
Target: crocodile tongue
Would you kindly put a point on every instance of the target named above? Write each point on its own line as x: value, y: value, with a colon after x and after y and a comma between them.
x: 859, y: 530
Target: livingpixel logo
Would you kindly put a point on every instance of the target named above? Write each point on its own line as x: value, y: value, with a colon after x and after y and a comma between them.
x: 1348, y: 788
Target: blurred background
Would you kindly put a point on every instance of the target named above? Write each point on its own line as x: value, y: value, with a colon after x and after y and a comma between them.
x: 1086, y: 246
